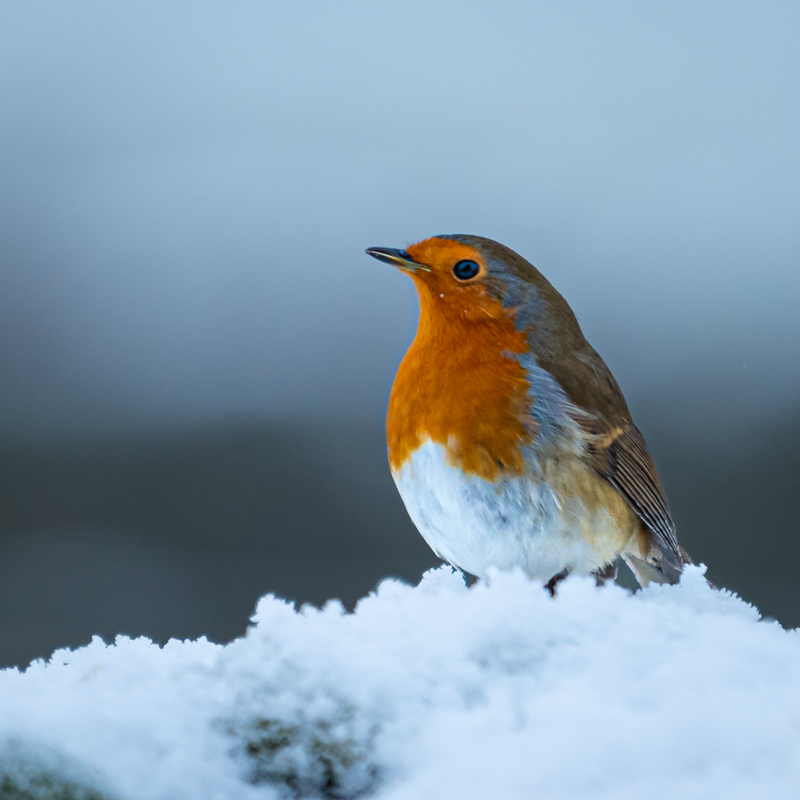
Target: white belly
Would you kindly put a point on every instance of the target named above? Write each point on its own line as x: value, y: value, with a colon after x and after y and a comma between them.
x: 476, y: 525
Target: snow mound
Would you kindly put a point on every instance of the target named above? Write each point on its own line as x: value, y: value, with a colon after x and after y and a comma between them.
x: 434, y: 691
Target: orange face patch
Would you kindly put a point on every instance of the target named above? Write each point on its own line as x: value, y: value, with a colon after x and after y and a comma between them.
x: 460, y: 384
x: 440, y: 256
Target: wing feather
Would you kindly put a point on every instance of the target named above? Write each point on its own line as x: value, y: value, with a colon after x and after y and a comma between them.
x: 621, y: 458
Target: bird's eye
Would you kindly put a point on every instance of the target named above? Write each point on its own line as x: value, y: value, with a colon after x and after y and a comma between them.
x: 464, y: 270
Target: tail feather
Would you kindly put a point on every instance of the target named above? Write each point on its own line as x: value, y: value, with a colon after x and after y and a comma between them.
x: 647, y: 572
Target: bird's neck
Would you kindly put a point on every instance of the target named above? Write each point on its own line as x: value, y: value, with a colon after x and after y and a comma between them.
x: 461, y: 385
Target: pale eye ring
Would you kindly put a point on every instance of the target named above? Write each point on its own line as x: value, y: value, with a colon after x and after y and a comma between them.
x: 466, y: 269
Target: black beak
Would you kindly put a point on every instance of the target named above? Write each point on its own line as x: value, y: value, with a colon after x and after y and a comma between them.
x: 397, y: 258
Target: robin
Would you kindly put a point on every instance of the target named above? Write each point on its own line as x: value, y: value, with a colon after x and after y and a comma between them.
x: 509, y: 440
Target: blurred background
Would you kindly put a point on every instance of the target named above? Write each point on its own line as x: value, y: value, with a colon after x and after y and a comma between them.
x: 196, y: 353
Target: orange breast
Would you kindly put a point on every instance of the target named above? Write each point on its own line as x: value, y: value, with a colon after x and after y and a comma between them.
x: 460, y: 385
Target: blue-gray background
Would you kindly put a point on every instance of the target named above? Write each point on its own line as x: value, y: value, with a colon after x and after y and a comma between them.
x: 195, y: 353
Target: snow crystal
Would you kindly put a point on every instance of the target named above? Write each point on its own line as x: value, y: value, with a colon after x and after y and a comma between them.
x: 435, y: 691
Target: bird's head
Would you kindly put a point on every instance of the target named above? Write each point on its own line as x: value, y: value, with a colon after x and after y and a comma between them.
x: 475, y: 279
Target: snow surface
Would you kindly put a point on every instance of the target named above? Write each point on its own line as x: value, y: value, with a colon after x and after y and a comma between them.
x: 434, y: 691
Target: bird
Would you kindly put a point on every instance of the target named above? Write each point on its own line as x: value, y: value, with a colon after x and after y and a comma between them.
x: 509, y: 440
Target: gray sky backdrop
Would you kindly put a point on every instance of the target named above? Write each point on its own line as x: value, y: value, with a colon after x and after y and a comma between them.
x: 187, y: 188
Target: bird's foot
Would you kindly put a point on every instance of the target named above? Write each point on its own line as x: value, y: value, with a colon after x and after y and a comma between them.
x: 554, y: 581
x: 606, y: 573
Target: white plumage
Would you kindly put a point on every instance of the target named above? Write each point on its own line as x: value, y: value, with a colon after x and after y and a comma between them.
x: 515, y: 522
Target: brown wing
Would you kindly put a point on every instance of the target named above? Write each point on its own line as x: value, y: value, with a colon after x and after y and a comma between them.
x: 621, y: 458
